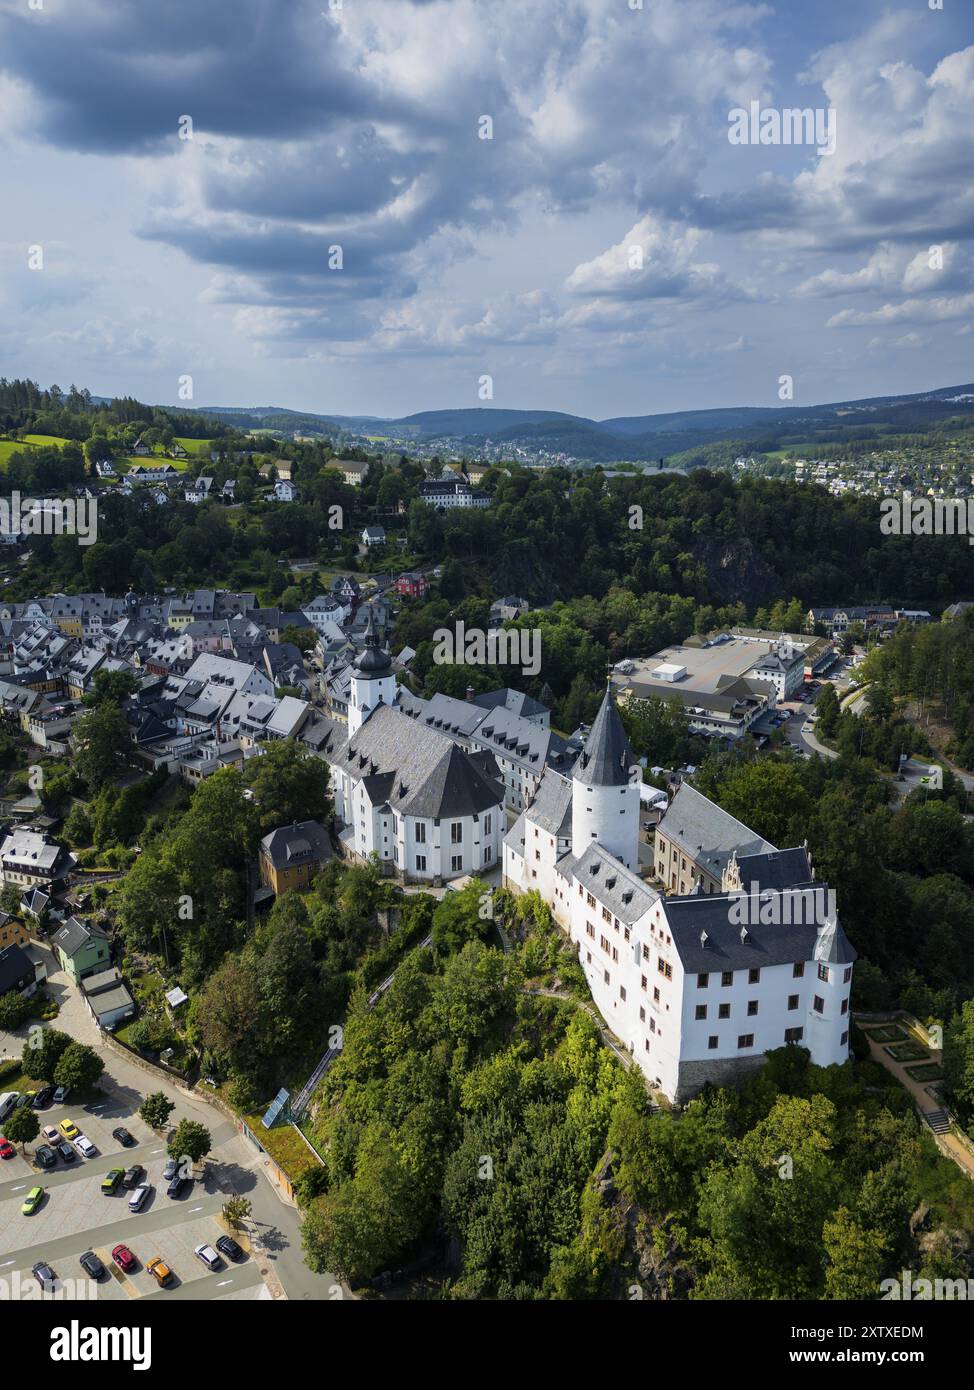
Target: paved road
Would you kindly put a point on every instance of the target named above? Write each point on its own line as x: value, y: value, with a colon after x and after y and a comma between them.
x: 241, y: 1168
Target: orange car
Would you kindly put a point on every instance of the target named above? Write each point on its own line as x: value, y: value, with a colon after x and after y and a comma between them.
x: 160, y: 1272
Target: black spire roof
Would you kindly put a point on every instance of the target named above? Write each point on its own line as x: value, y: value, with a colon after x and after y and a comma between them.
x: 374, y: 660
x: 607, y: 756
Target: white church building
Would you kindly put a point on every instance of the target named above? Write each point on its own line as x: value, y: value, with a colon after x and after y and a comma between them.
x: 428, y: 808
x: 699, y: 986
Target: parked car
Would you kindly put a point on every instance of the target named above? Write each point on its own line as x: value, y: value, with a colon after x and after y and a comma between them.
x: 7, y: 1102
x: 229, y: 1247
x: 32, y: 1201
x: 26, y: 1100
x: 111, y: 1180
x: 66, y: 1151
x: 44, y: 1156
x: 44, y: 1275
x: 124, y: 1258
x: 84, y: 1146
x: 139, y: 1197
x: 6, y: 1148
x: 92, y: 1265
x: 69, y: 1130
x: 133, y: 1176
x: 60, y: 1094
x: 171, y: 1169
x: 160, y: 1272
x: 43, y: 1098
x: 176, y: 1185
x: 208, y: 1255
x: 51, y: 1134
x: 124, y: 1138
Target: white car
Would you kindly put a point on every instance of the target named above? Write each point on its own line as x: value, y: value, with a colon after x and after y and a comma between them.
x: 51, y: 1135
x: 84, y: 1146
x: 139, y: 1194
x: 208, y: 1255
x: 60, y: 1095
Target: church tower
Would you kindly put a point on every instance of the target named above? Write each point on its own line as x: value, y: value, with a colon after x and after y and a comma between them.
x: 373, y: 679
x: 605, y: 790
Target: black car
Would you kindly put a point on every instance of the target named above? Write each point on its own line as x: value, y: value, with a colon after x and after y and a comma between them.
x: 133, y: 1175
x: 44, y: 1275
x: 66, y: 1151
x: 92, y: 1265
x: 45, y: 1156
x: 124, y: 1138
x: 229, y: 1247
x: 176, y: 1186
x: 43, y: 1098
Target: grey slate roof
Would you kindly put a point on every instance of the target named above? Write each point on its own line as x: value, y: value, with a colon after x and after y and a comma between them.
x: 551, y: 809
x: 779, y: 868
x: 607, y: 756
x: 74, y: 935
x: 419, y: 771
x: 515, y: 701
x: 708, y: 940
x: 707, y: 832
x: 624, y: 893
x: 304, y: 842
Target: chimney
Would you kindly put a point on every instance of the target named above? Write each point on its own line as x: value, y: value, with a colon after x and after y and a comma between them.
x: 470, y: 693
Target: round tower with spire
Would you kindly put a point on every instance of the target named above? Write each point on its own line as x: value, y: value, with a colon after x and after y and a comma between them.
x: 605, y: 790
x: 373, y: 679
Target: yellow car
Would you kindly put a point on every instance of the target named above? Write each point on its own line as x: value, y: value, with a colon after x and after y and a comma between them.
x: 160, y: 1272
x: 69, y: 1129
x: 34, y: 1198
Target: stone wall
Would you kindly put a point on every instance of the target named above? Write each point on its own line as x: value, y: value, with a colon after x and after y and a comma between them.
x: 719, y: 1071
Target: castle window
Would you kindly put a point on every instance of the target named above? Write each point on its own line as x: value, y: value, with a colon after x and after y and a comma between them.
x: 701, y: 1011
x: 793, y: 1034
x: 745, y: 1040
x: 844, y: 1039
x: 726, y: 977
x: 456, y: 863
x: 818, y: 1004
x: 753, y: 976
x: 848, y: 975
x: 642, y: 1014
x: 622, y: 993
x: 421, y: 862
x: 845, y: 1007
x: 712, y: 1042
x: 723, y: 1011
x: 823, y: 973
x: 421, y: 833
x: 703, y: 981
x: 752, y: 1007
x: 798, y: 969
x: 793, y: 1001
x: 605, y: 976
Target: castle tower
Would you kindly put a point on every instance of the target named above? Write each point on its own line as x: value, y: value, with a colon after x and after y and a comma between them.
x: 373, y: 679
x: 605, y: 790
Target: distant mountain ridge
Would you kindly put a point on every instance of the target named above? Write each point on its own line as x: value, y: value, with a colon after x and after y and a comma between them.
x: 629, y: 436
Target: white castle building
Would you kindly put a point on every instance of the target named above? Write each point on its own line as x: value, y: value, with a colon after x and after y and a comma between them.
x: 697, y: 986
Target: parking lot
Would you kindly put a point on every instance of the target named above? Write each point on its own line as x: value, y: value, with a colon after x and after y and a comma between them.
x: 76, y: 1216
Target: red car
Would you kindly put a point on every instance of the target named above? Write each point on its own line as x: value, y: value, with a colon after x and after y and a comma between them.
x: 124, y: 1258
x: 6, y: 1148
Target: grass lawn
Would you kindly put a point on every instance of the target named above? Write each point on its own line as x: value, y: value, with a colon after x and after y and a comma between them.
x: 285, y: 1146
x: 194, y: 446
x: 908, y: 1052
x: 886, y: 1034
x: 926, y: 1071
x: 46, y: 439
x: 11, y: 446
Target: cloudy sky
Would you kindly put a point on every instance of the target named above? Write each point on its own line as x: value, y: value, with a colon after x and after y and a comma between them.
x: 608, y: 251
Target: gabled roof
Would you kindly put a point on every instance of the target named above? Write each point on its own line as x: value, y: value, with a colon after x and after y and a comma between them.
x: 778, y: 868
x: 707, y: 832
